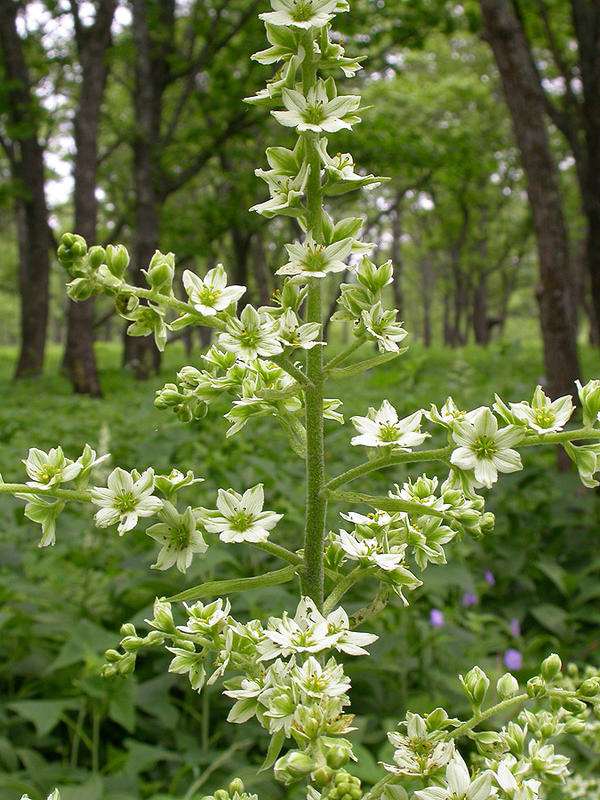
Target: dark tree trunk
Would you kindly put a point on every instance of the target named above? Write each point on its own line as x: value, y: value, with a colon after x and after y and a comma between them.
x: 27, y: 165
x: 481, y: 322
x: 79, y: 361
x: 586, y: 23
x: 526, y: 104
x: 261, y: 272
x: 153, y: 24
x: 396, y: 254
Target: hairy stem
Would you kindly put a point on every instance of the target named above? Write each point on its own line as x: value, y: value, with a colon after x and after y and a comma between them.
x: 316, y: 502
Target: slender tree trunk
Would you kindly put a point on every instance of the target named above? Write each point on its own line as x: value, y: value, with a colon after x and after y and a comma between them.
x: 396, y: 254
x: 481, y: 326
x: 586, y: 23
x: 27, y: 165
x: 79, y: 360
x: 153, y: 23
x: 525, y: 101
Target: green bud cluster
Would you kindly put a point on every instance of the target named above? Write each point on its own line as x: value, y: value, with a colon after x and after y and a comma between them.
x: 235, y: 791
x: 343, y: 786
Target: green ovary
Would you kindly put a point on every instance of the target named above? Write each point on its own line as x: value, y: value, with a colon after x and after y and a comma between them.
x: 302, y: 10
x: 484, y: 447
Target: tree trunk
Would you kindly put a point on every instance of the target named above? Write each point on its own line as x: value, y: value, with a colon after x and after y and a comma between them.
x: 481, y: 326
x: 27, y: 166
x: 396, y: 254
x: 525, y: 101
x: 79, y: 360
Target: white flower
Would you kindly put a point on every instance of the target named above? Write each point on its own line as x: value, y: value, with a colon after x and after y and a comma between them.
x: 317, y: 681
x: 484, y: 448
x: 240, y: 518
x: 51, y: 468
x: 383, y: 327
x: 382, y: 428
x: 459, y: 784
x: 211, y: 294
x: 316, y: 112
x: 543, y: 415
x: 516, y: 790
x: 54, y: 795
x: 450, y: 413
x: 251, y: 336
x: 316, y: 260
x: 418, y: 752
x: 301, y: 13
x: 370, y: 551
x: 292, y: 334
x: 310, y: 632
x: 179, y: 537
x: 125, y: 500
x: 206, y: 620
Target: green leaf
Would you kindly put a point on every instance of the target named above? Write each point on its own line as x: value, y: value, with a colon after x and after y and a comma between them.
x: 553, y: 618
x: 275, y: 746
x: 45, y: 714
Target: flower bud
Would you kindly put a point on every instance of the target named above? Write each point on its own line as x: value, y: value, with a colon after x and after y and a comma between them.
x: 163, y: 616
x: 589, y: 688
x: 71, y: 250
x: 436, y: 721
x: 507, y: 686
x: 236, y: 785
x: 132, y: 644
x: 322, y: 775
x: 475, y: 685
x: 551, y: 667
x: 536, y: 686
x: 573, y: 705
x: 117, y: 259
x: 589, y: 395
x: 112, y: 655
x: 575, y: 726
x: 128, y: 629
x: 161, y: 271
x: 221, y: 794
x: 292, y: 766
x: 488, y: 521
x: 80, y: 289
x: 96, y: 255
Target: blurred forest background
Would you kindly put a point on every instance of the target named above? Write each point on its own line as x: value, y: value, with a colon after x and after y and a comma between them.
x: 124, y: 122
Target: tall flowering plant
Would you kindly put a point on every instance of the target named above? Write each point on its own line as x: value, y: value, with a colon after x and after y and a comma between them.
x: 287, y: 671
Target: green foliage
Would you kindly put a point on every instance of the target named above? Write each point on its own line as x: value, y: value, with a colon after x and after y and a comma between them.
x: 151, y: 736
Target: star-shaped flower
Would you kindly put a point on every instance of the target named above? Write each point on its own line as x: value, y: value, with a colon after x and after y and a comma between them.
x: 125, y: 499
x: 382, y: 428
x: 485, y: 449
x: 302, y: 13
x: 251, y: 335
x: 459, y: 785
x: 179, y: 537
x: 317, y: 112
x: 210, y: 294
x: 240, y: 518
x: 316, y: 260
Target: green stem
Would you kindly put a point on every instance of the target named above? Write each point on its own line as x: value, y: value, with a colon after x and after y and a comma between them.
x: 562, y: 436
x: 51, y: 491
x: 175, y: 304
x: 384, y: 503
x: 362, y: 366
x: 279, y: 551
x: 344, y: 354
x: 441, y: 454
x: 291, y: 369
x: 217, y: 588
x: 489, y: 712
x: 341, y: 588
x: 316, y: 502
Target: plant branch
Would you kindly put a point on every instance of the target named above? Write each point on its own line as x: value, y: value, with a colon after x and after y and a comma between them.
x: 218, y: 588
x: 440, y: 454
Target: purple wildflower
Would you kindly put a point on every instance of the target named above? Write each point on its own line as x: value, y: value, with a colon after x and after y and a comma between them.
x: 513, y: 659
x: 489, y: 577
x: 469, y: 599
x: 515, y: 627
x: 436, y: 618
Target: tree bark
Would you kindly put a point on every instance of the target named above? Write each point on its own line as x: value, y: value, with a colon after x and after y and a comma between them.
x: 27, y: 166
x: 79, y: 361
x: 526, y: 104
x: 396, y: 254
x: 153, y: 25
